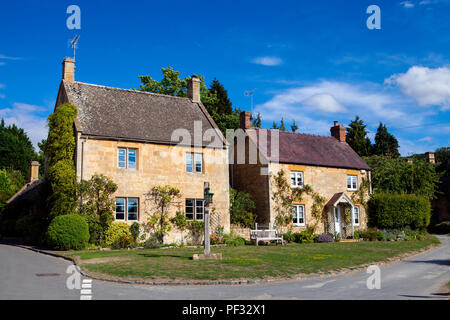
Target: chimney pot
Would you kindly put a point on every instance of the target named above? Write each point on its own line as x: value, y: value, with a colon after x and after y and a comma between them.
x: 34, y: 171
x: 246, y: 120
x: 194, y: 89
x: 338, y: 131
x: 69, y: 69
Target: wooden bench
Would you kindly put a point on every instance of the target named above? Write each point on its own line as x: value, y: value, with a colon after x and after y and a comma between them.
x: 266, y: 235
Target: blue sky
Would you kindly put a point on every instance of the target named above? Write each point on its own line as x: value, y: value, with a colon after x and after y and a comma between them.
x: 312, y: 61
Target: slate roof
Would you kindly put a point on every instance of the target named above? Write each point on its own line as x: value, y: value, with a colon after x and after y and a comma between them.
x: 29, y: 192
x: 306, y: 149
x: 135, y: 115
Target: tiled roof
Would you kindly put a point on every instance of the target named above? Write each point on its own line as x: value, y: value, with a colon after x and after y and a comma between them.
x: 299, y: 148
x: 136, y: 115
x: 30, y: 191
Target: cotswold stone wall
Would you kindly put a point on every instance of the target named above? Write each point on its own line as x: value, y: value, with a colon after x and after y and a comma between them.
x: 159, y: 165
x: 241, y: 231
x: 325, y: 181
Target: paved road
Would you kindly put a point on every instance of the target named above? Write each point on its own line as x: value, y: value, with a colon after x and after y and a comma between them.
x: 417, y: 278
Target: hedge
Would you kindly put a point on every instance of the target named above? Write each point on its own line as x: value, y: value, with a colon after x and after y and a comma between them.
x: 396, y: 211
x: 68, y: 232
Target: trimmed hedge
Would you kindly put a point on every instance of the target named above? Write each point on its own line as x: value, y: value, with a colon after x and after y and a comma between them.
x: 396, y: 211
x: 68, y: 232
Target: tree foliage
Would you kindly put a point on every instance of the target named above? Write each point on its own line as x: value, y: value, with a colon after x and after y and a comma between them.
x: 16, y: 149
x: 160, y: 199
x: 241, y: 208
x: 401, y: 177
x: 60, y: 148
x: 357, y: 138
x: 97, y: 205
x: 385, y: 143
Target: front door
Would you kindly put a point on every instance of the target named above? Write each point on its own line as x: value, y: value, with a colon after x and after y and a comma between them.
x: 337, y: 219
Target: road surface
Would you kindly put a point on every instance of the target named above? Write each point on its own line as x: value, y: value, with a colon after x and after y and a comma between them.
x: 25, y: 274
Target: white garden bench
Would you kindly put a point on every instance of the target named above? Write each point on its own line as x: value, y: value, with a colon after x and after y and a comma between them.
x: 266, y: 235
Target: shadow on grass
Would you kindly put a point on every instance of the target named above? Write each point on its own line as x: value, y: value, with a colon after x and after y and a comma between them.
x: 156, y: 255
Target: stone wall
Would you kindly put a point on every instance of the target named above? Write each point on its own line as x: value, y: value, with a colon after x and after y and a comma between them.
x: 241, y: 231
x: 159, y: 165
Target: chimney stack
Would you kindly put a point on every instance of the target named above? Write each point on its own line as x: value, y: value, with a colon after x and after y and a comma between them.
x: 34, y: 171
x: 194, y: 89
x: 246, y: 120
x: 430, y: 157
x: 338, y: 131
x: 69, y: 69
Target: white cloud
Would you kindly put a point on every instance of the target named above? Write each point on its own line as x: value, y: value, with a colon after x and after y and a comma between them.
x: 4, y: 57
x: 30, y: 118
x: 429, y: 87
x: 407, y: 4
x: 324, y: 102
x: 268, y: 61
x: 425, y: 139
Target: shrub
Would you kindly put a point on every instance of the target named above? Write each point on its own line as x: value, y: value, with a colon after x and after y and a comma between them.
x: 289, y: 236
x: 68, y: 232
x: 233, y: 240
x: 217, y: 237
x: 123, y: 242
x: 441, y: 228
x: 325, y: 237
x: 388, y: 211
x: 135, y: 230
x: 31, y: 228
x: 371, y: 234
x: 115, y: 231
x: 152, y: 243
x: 304, y: 237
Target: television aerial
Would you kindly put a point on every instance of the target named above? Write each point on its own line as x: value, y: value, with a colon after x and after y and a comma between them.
x: 250, y: 93
x: 74, y: 43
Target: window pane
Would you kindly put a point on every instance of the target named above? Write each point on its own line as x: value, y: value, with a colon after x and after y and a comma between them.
x: 132, y: 159
x: 354, y: 183
x: 294, y: 214
x: 120, y: 209
x: 122, y: 158
x: 356, y: 215
x: 198, y: 162
x: 301, y: 214
x: 189, y: 164
x: 189, y: 209
x: 299, y: 178
x: 133, y: 209
x: 349, y: 182
x: 293, y: 179
x: 199, y: 209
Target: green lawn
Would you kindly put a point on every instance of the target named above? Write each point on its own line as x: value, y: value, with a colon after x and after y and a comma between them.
x: 241, y: 262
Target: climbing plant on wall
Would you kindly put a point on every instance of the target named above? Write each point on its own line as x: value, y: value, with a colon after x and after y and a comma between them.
x: 60, y: 151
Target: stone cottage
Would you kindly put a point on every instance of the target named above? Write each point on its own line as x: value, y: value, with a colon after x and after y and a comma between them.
x: 327, y: 164
x: 141, y: 140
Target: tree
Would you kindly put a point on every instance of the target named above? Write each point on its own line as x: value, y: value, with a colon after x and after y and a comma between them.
x: 160, y: 199
x: 5, y: 188
x: 16, y: 149
x: 241, y: 207
x: 357, y: 138
x: 222, y: 104
x: 257, y: 121
x: 60, y: 148
x: 97, y: 205
x: 442, y: 155
x: 275, y: 126
x: 282, y: 126
x: 398, y: 176
x: 41, y: 156
x: 385, y: 143
x: 294, y: 127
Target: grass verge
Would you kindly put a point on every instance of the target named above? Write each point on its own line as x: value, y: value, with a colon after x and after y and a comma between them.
x: 246, y: 262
